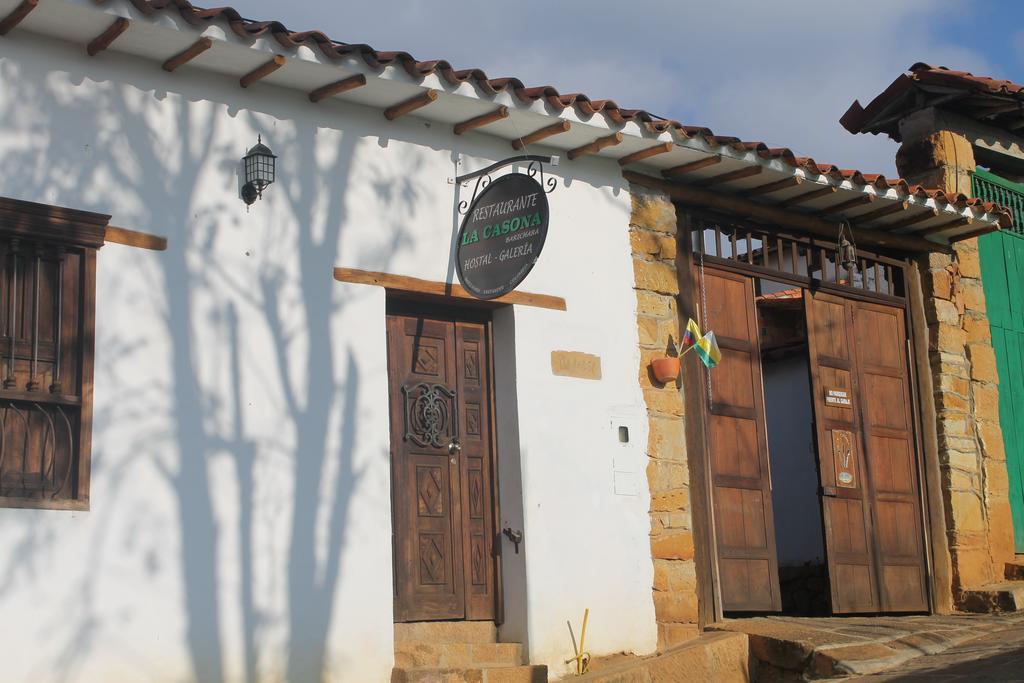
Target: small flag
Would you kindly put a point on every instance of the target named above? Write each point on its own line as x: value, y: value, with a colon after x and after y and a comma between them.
x: 707, y: 349
x: 690, y: 336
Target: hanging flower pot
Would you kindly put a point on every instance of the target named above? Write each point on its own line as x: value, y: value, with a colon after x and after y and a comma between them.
x: 665, y: 369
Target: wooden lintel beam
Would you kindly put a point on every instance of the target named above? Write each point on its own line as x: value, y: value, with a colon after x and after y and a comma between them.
x: 262, y: 71
x: 925, y: 215
x: 958, y: 222
x: 414, y: 285
x: 188, y: 54
x: 595, y: 146
x: 778, y: 185
x: 683, y: 169
x: 134, y: 238
x: 730, y: 176
x: 739, y: 205
x: 808, y: 196
x: 482, y: 120
x: 660, y: 148
x: 893, y: 207
x: 860, y: 200
x: 538, y: 135
x: 410, y: 105
x: 16, y: 15
x: 103, y: 40
x: 338, y: 87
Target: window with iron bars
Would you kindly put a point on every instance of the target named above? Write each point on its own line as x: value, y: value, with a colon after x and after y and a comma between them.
x: 47, y: 300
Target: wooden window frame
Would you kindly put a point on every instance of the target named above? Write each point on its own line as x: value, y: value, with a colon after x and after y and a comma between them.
x: 83, y: 232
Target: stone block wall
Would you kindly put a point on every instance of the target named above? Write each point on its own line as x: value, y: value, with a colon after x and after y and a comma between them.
x: 972, y: 460
x: 653, y: 243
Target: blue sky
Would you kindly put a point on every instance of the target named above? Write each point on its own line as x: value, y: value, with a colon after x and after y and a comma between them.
x: 780, y: 71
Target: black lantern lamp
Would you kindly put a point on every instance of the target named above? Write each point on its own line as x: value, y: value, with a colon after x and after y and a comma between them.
x: 259, y: 171
x: 846, y: 249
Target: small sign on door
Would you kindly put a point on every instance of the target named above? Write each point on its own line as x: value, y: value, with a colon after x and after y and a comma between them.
x: 837, y: 397
x: 842, y: 456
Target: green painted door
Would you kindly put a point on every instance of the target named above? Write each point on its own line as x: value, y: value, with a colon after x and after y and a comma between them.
x: 1002, y: 272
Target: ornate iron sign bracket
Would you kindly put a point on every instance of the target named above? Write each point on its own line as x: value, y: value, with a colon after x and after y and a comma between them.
x: 535, y: 167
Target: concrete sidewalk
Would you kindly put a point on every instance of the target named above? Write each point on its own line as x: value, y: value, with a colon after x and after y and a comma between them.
x: 791, y: 648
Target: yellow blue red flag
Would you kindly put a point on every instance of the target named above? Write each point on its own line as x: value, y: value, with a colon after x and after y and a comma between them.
x: 691, y: 335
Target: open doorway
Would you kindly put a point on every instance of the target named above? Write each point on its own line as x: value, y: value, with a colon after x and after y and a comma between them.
x: 789, y: 415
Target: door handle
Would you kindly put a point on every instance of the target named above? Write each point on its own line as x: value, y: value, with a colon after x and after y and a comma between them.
x: 830, y: 491
x: 514, y: 535
x: 454, y: 447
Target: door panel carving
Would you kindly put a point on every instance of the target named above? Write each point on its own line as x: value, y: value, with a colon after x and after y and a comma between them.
x: 442, y: 481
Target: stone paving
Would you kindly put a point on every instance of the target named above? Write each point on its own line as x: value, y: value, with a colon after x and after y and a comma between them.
x: 791, y: 648
x: 997, y: 656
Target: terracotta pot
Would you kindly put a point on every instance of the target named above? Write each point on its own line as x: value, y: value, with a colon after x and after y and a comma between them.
x: 665, y: 369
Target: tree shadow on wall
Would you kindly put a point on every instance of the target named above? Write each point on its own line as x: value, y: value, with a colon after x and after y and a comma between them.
x: 137, y: 156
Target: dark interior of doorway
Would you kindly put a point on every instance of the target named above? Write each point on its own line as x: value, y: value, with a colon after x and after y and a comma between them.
x: 789, y: 413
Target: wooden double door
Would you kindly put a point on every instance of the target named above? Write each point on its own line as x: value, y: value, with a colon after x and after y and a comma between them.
x: 866, y: 453
x: 442, y: 467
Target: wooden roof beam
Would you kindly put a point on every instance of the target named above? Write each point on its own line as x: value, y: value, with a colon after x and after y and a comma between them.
x: 16, y: 15
x: 890, y: 208
x: 188, y: 54
x: 410, y: 105
x: 925, y: 215
x: 103, y: 40
x: 595, y: 146
x: 338, y: 87
x: 683, y: 169
x: 738, y: 205
x: 859, y: 200
x: 958, y: 222
x: 808, y: 196
x: 660, y: 148
x: 778, y: 185
x: 730, y: 176
x: 262, y: 71
x: 538, y: 135
x: 483, y: 120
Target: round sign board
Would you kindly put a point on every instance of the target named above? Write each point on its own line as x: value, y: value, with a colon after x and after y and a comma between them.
x: 502, y: 236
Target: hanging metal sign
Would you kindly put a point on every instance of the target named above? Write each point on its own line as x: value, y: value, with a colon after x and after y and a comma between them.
x: 503, y: 232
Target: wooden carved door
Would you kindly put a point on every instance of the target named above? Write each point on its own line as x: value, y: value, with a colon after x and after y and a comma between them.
x: 866, y: 456
x: 441, y: 467
x: 738, y: 443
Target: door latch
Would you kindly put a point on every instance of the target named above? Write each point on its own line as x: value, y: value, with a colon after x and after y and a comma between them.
x: 515, y: 536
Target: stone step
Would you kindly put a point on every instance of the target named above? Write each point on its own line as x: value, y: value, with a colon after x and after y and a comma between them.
x: 409, y: 654
x: 995, y: 598
x: 721, y: 657
x: 489, y: 674
x: 443, y: 632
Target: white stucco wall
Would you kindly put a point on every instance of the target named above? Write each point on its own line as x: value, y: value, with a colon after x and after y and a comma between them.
x: 240, y: 518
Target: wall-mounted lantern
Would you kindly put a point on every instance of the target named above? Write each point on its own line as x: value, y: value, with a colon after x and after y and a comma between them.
x: 258, y: 164
x: 845, y: 249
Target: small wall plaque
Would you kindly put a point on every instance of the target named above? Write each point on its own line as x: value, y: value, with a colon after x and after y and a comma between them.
x: 576, y: 364
x: 843, y: 457
x: 837, y: 397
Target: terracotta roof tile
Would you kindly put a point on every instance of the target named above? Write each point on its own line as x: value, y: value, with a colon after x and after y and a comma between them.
x: 882, y: 114
x: 582, y: 104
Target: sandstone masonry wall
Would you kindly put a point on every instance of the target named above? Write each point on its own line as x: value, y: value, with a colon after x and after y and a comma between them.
x: 653, y: 241
x: 972, y: 460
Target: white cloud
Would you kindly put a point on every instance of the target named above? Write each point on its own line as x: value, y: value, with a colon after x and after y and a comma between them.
x: 781, y: 71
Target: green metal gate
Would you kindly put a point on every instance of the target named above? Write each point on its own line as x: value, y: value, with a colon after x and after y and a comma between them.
x: 1002, y: 272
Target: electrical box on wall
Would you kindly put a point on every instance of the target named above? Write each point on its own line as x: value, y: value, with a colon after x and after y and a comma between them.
x: 625, y: 434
